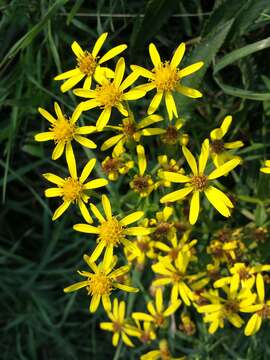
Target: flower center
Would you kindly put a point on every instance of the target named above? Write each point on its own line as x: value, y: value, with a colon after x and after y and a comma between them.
x: 129, y: 127
x: 111, y: 165
x: 166, y: 78
x: 117, y: 326
x: 176, y: 277
x: 199, y: 182
x: 161, y: 231
x: 108, y: 95
x: 159, y: 319
x: 63, y: 130
x: 87, y: 63
x: 99, y: 284
x: 264, y: 312
x: 110, y: 231
x: 143, y: 245
x: 72, y: 189
x: 170, y: 136
x: 217, y: 146
x: 231, y: 306
x: 142, y: 184
x: 243, y: 274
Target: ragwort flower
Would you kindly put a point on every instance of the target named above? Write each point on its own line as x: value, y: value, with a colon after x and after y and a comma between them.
x: 162, y: 353
x: 73, y: 189
x: 266, y: 168
x: 157, y: 314
x: 63, y: 131
x: 261, y: 309
x: 119, y: 324
x: 101, y: 282
x: 132, y: 131
x: 110, y: 93
x: 166, y: 78
x: 199, y: 182
x: 111, y: 231
x: 88, y: 64
x: 220, y: 150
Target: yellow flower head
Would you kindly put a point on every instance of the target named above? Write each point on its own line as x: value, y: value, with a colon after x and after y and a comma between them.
x: 73, y: 189
x: 143, y: 248
x: 261, y: 309
x: 115, y: 166
x: 119, y: 324
x: 157, y: 313
x: 141, y: 183
x: 198, y: 182
x: 163, y: 353
x: 220, y: 150
x: 110, y: 93
x: 147, y: 332
x: 172, y: 134
x: 111, y: 231
x: 162, y: 225
x: 166, y: 78
x: 131, y: 131
x: 266, y: 168
x: 101, y: 282
x: 64, y: 130
x: 174, y: 274
x: 167, y: 165
x: 187, y: 325
x: 88, y: 64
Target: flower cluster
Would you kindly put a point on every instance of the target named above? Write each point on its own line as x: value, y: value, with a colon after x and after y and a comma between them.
x: 160, y: 191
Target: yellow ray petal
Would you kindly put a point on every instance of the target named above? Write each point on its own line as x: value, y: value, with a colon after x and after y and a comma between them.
x: 85, y: 142
x: 98, y: 44
x: 95, y: 184
x: 71, y: 162
x: 111, y: 142
x: 170, y: 105
x: 260, y: 287
x: 87, y: 170
x: 68, y: 74
x: 190, y: 159
x: 176, y: 195
x: 76, y: 286
x: 78, y: 51
x: 112, y: 53
x: 214, y: 197
x: 70, y: 83
x: 103, y: 119
x: 85, y: 212
x: 194, y: 207
x: 174, y: 177
x: 190, y: 69
x: 224, y: 169
x: 46, y: 115
x: 187, y: 91
x: 106, y: 206
x: 154, y: 55
x: 60, y: 210
x: 155, y: 103
x: 141, y: 159
x: 45, y: 136
x: 178, y: 55
x: 119, y: 72
x: 85, y: 228
x: 203, y: 156
x: 54, y: 179
x: 131, y: 218
x: 58, y: 150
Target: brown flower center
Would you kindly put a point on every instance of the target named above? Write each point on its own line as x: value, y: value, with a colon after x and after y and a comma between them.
x: 199, y: 182
x: 217, y: 146
x: 170, y: 136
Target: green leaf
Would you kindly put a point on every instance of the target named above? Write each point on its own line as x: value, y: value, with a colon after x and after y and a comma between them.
x: 234, y: 56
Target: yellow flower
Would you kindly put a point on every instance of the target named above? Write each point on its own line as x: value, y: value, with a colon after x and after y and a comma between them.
x: 88, y: 64
x: 261, y: 309
x: 115, y: 166
x: 176, y: 246
x: 131, y: 131
x: 199, y: 182
x: 167, y: 165
x: 110, y: 93
x: 266, y: 168
x: 63, y: 131
x: 141, y: 183
x: 228, y: 308
x: 162, y: 354
x: 241, y: 273
x: 174, y: 273
x: 73, y: 189
x: 143, y: 249
x: 219, y: 148
x: 163, y: 227
x: 119, y: 325
x: 166, y: 78
x: 146, y: 332
x: 172, y: 134
x: 157, y: 314
x: 111, y: 231
x: 101, y: 282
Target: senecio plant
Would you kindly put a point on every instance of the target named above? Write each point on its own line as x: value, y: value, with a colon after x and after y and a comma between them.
x: 152, y: 236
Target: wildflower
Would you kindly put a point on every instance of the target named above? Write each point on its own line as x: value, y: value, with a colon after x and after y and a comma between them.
x: 63, y: 131
x: 119, y: 325
x: 130, y: 131
x: 141, y: 183
x: 88, y: 64
x: 157, y: 313
x: 73, y: 189
x: 115, y: 166
x: 199, y: 182
x: 172, y: 134
x: 162, y: 354
x: 166, y: 78
x: 167, y: 165
x: 266, y: 168
x: 109, y: 94
x: 162, y: 225
x: 187, y: 325
x: 174, y: 273
x: 143, y: 248
x: 101, y: 282
x: 176, y: 246
x: 220, y: 149
x: 241, y: 273
x: 111, y: 231
x: 146, y: 332
x: 225, y: 308
x: 261, y: 309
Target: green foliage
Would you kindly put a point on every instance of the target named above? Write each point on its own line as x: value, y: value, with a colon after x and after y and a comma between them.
x: 38, y: 257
